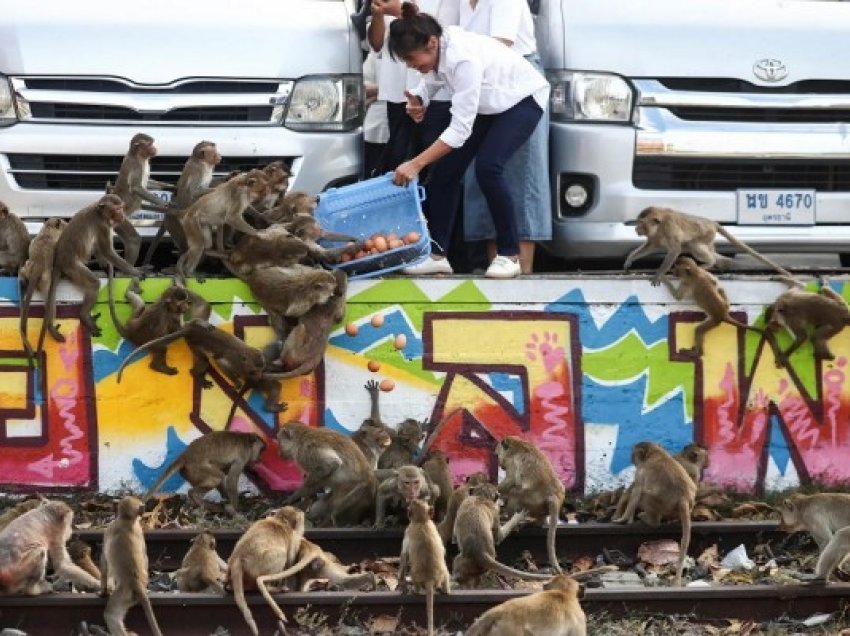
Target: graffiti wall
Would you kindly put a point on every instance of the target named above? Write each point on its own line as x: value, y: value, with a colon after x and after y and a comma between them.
x: 582, y: 367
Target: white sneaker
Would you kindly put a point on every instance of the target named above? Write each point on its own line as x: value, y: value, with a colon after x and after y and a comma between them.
x: 503, y: 267
x: 430, y: 266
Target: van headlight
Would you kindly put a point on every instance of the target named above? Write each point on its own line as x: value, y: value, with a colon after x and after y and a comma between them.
x: 578, y: 96
x: 325, y: 103
x: 8, y: 115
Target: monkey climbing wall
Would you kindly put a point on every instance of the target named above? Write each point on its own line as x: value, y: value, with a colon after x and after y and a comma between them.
x: 582, y: 367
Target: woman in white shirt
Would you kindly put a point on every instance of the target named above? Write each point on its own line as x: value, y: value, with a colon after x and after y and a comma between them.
x: 527, y: 172
x: 497, y: 98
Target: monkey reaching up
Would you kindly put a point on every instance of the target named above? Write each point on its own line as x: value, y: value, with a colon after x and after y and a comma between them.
x: 214, y: 461
x: 555, y: 610
x: 661, y: 487
x: 676, y: 232
x: 201, y: 569
x: 423, y: 553
x: 124, y: 568
x: 708, y: 295
x: 797, y: 308
x: 14, y: 241
x: 531, y: 485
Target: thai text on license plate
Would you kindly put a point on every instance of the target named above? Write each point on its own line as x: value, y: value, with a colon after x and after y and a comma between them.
x: 776, y: 207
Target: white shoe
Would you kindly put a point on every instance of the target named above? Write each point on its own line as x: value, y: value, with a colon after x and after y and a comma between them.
x: 503, y: 267
x: 430, y: 266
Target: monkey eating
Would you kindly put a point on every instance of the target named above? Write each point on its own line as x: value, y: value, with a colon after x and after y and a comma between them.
x: 214, y: 461
x: 404, y: 445
x: 29, y: 541
x: 676, y: 232
x: 202, y: 570
x: 424, y: 555
x: 477, y: 532
x: 14, y: 241
x: 531, y: 485
x: 124, y: 568
x: 404, y: 485
x: 292, y: 205
x: 661, y: 487
x: 89, y: 232
x: 330, y: 461
x: 148, y: 322
x: 555, y: 610
x: 266, y: 549
x: 708, y: 295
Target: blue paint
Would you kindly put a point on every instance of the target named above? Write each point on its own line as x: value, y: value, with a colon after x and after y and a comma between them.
x: 507, y: 383
x: 106, y: 362
x: 147, y: 476
x: 778, y: 445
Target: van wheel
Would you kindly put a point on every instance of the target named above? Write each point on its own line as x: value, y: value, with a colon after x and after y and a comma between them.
x: 844, y: 257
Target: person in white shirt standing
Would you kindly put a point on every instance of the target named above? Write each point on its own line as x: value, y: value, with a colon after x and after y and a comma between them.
x: 376, y: 131
x: 527, y: 172
x: 497, y: 98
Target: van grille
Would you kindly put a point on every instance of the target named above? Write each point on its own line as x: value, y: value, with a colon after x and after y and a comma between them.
x: 652, y: 173
x: 112, y: 113
x: 768, y: 115
x: 91, y: 172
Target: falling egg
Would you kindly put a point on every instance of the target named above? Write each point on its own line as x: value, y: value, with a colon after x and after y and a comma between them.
x: 387, y: 384
x: 374, y: 366
x: 400, y: 341
x: 377, y: 320
x: 351, y: 329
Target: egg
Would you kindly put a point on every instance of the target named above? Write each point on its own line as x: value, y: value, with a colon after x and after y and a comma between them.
x: 387, y: 384
x: 395, y: 244
x: 392, y: 236
x: 377, y: 320
x: 374, y: 366
x: 368, y: 244
x: 400, y: 341
x: 411, y: 237
x: 351, y: 329
x: 381, y: 244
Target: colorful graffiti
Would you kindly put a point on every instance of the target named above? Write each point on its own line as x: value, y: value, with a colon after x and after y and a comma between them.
x: 583, y: 368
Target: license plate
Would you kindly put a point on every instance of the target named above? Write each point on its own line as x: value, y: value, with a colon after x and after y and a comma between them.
x: 776, y: 207
x: 165, y: 195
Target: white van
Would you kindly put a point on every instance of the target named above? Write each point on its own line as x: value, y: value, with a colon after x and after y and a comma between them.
x: 263, y: 80
x: 737, y: 110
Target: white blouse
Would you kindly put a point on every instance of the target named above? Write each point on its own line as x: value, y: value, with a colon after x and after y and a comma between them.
x: 482, y: 76
x: 506, y: 19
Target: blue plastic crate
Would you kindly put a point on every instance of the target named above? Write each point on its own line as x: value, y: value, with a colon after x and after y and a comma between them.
x: 377, y: 205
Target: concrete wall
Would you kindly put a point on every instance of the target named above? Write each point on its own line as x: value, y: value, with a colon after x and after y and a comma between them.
x: 585, y: 367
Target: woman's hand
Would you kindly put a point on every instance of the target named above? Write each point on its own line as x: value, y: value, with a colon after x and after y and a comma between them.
x: 414, y: 108
x: 406, y: 172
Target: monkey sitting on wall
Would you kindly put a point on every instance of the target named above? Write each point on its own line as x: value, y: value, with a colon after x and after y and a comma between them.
x: 14, y: 241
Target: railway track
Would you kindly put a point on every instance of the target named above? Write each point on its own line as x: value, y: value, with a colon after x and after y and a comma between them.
x: 200, y: 614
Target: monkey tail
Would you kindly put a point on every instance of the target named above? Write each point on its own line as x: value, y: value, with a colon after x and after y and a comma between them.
x: 110, y: 288
x: 237, y: 581
x: 171, y: 337
x: 303, y: 369
x: 504, y: 570
x: 280, y: 576
x: 142, y: 597
x: 173, y: 467
x: 749, y: 250
x: 483, y: 625
x: 429, y: 606
x: 242, y: 392
x: 50, y: 302
x: 25, y: 291
x: 685, y: 518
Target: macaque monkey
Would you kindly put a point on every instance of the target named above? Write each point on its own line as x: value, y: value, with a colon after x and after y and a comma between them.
x: 80, y: 553
x: 224, y: 205
x: 329, y: 461
x: 10, y: 514
x: 202, y: 570
x: 661, y: 487
x: 124, y: 568
x: 273, y: 246
x: 477, y: 532
x: 424, y: 555
x: 14, y: 241
x: 290, y: 292
x: 555, y: 612
x: 29, y: 541
x: 292, y: 205
x: 436, y: 468
x: 194, y: 182
x: 240, y: 362
x: 404, y: 446
x: 826, y: 517
x: 148, y: 322
x: 826, y: 311
x: 447, y: 525
x: 403, y: 486
x: 88, y: 233
x: 531, y: 485
x: 37, y: 271
x: 267, y: 548
x: 277, y: 174
x: 307, y: 229
x: 371, y: 439
x: 676, y: 232
x: 131, y: 185
x: 706, y: 292
x: 214, y: 461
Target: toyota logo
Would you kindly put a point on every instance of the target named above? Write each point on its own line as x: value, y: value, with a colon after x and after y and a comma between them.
x: 770, y: 70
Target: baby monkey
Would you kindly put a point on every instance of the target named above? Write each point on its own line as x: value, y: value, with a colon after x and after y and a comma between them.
x: 202, y: 569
